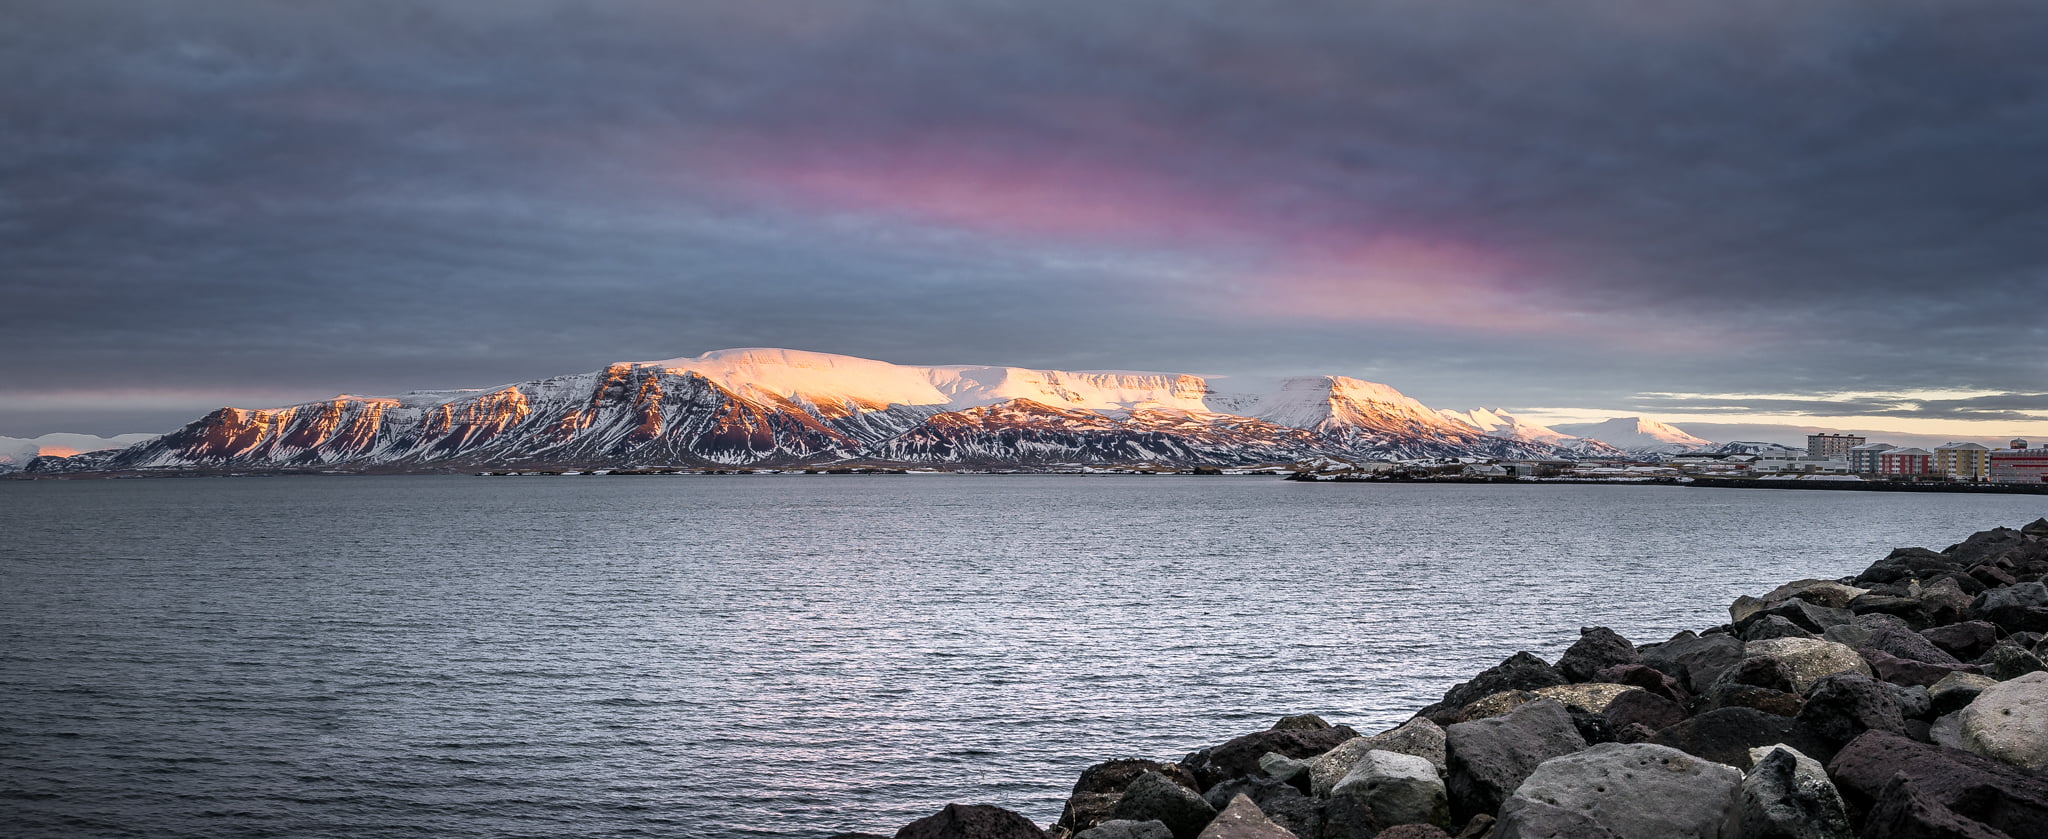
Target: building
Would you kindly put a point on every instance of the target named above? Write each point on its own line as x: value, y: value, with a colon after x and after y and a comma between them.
x: 1909, y: 462
x: 1832, y: 446
x: 1963, y: 461
x: 2019, y: 465
x: 1863, y: 458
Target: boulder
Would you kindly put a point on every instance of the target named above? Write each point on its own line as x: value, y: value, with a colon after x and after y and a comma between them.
x: 1521, y: 671
x: 1597, y: 649
x: 1901, y: 564
x: 1913, y: 700
x: 1590, y: 697
x: 1095, y: 794
x: 1493, y: 706
x: 2014, y: 608
x: 1648, y: 678
x: 971, y: 821
x: 1490, y: 758
x: 1745, y: 606
x: 1725, y: 735
x: 1771, y: 626
x: 1624, y: 791
x: 1761, y: 671
x: 1945, y: 600
x: 1781, y: 703
x: 1285, y: 769
x: 1965, y: 640
x: 1808, y: 616
x: 1895, y: 636
x: 1413, y: 831
x: 1787, y: 795
x: 1819, y: 592
x: 856, y: 836
x: 2037, y: 528
x: 1807, y: 660
x: 1911, y: 789
x: 1286, y: 805
x: 2009, y: 722
x: 1992, y: 576
x: 1240, y: 756
x: 1153, y: 796
x: 1641, y: 707
x: 1418, y: 737
x: 1957, y: 690
x: 1116, y: 829
x: 2007, y: 661
x: 1903, y: 671
x: 1242, y: 819
x: 1842, y: 706
x: 1395, y: 789
x: 1694, y: 660
x: 1301, y: 722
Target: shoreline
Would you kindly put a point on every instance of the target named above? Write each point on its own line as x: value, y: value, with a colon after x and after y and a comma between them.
x: 1910, y: 699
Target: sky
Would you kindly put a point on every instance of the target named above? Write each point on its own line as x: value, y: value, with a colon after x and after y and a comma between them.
x: 1830, y: 213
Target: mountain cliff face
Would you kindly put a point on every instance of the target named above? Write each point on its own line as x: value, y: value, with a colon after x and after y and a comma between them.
x: 1638, y: 435
x: 782, y: 408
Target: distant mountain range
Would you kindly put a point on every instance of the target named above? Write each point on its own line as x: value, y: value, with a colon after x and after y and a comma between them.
x: 778, y: 408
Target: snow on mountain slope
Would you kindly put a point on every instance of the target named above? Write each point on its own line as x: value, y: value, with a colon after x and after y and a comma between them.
x: 16, y: 452
x: 1754, y: 447
x: 784, y: 407
x: 1637, y: 434
x: 1494, y: 422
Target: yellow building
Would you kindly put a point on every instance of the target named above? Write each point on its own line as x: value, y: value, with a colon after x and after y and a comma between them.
x: 1963, y: 461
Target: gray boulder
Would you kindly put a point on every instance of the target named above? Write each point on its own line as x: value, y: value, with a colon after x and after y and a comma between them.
x: 2008, y: 661
x: 1726, y: 735
x: 1396, y: 789
x: 971, y: 821
x: 1242, y: 819
x: 1597, y: 649
x: 1844, y: 705
x: 1521, y: 671
x: 1965, y: 640
x: 1957, y: 690
x: 1281, y: 767
x: 2016, y: 608
x: 1819, y: 592
x: 1623, y: 791
x: 1694, y: 660
x: 1418, y: 737
x: 1122, y: 829
x: 1490, y: 758
x: 1787, y: 795
x: 1153, y: 796
x: 1097, y: 791
x: 1771, y: 626
x: 2009, y: 722
x: 1808, y: 660
x: 1283, y: 803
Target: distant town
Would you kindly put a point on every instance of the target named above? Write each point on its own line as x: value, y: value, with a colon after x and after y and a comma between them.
x: 1828, y: 457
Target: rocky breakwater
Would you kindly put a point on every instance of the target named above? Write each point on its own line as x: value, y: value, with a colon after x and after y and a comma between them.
x: 1907, y: 702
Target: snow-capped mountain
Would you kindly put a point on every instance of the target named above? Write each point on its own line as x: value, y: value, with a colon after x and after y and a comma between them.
x: 1494, y: 422
x: 785, y: 407
x: 1753, y: 447
x: 17, y: 452
x: 1637, y: 435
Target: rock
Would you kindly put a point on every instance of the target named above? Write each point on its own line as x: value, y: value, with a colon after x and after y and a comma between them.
x: 1590, y: 697
x: 1694, y: 660
x: 1240, y: 756
x: 1903, y: 563
x: 2015, y: 608
x: 2009, y: 722
x: 1123, y: 829
x: 1781, y: 703
x: 1243, y: 819
x: 1413, y: 831
x: 1957, y: 690
x: 1913, y: 700
x: 1597, y: 649
x: 1641, y: 707
x: 1285, y: 804
x: 1911, y: 789
x: 1965, y: 640
x: 1771, y: 626
x: 1900, y: 671
x: 2037, y: 528
x: 1301, y: 722
x: 1490, y: 758
x: 1648, y: 678
x: 2006, y: 661
x: 1819, y: 592
x: 1787, y: 795
x: 1396, y: 789
x: 1493, y: 706
x: 856, y: 836
x: 1744, y: 607
x: 1947, y: 730
x: 1418, y: 737
x: 1284, y: 769
x: 1808, y: 660
x: 1624, y: 791
x: 1096, y: 792
x: 1759, y: 682
x: 971, y: 821
x: 1761, y: 671
x: 1945, y: 601
x: 1521, y: 671
x: 1842, y: 706
x: 1725, y: 735
x: 1153, y: 796
x: 1992, y: 576
x: 1808, y: 616
x: 1895, y: 636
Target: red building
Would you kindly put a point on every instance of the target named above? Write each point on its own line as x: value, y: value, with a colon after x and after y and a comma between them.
x: 1905, y: 462
x: 2020, y: 466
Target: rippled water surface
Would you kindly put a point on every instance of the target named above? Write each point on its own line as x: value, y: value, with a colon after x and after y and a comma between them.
x: 793, y: 655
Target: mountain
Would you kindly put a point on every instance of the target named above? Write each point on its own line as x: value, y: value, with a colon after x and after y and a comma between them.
x: 773, y: 407
x: 1637, y: 435
x: 1753, y: 447
x: 1494, y: 422
x: 17, y: 452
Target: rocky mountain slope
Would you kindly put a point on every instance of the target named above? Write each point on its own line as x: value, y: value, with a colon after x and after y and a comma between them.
x: 771, y: 407
x: 1638, y: 435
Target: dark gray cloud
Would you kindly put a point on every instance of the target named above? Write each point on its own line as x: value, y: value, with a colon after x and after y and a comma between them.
x: 233, y: 196
x: 2014, y: 407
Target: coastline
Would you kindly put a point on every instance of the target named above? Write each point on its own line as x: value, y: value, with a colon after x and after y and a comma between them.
x: 1908, y: 700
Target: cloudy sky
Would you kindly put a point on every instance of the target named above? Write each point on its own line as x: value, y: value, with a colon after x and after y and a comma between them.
x: 1829, y: 212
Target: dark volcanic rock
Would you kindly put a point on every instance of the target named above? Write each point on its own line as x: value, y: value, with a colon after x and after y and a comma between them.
x: 1811, y: 617
x: 1726, y: 735
x: 971, y: 821
x: 1901, y: 564
x: 1771, y: 626
x: 1952, y: 693
x: 2005, y: 662
x: 1648, y: 678
x: 1895, y: 636
x: 856, y: 836
x: 1625, y: 791
x: 1965, y: 640
x: 1096, y: 793
x: 1521, y: 671
x: 1782, y: 703
x: 1114, y: 829
x: 1285, y: 804
x: 2015, y: 608
x: 1641, y: 707
x: 1242, y: 819
x: 1155, y: 797
x: 1694, y: 660
x: 1912, y: 789
x: 1843, y: 706
x: 1787, y: 795
x: 1413, y: 831
x: 1490, y: 758
x: 1597, y: 649
x: 1240, y: 756
x: 1302, y: 722
x: 1902, y: 671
